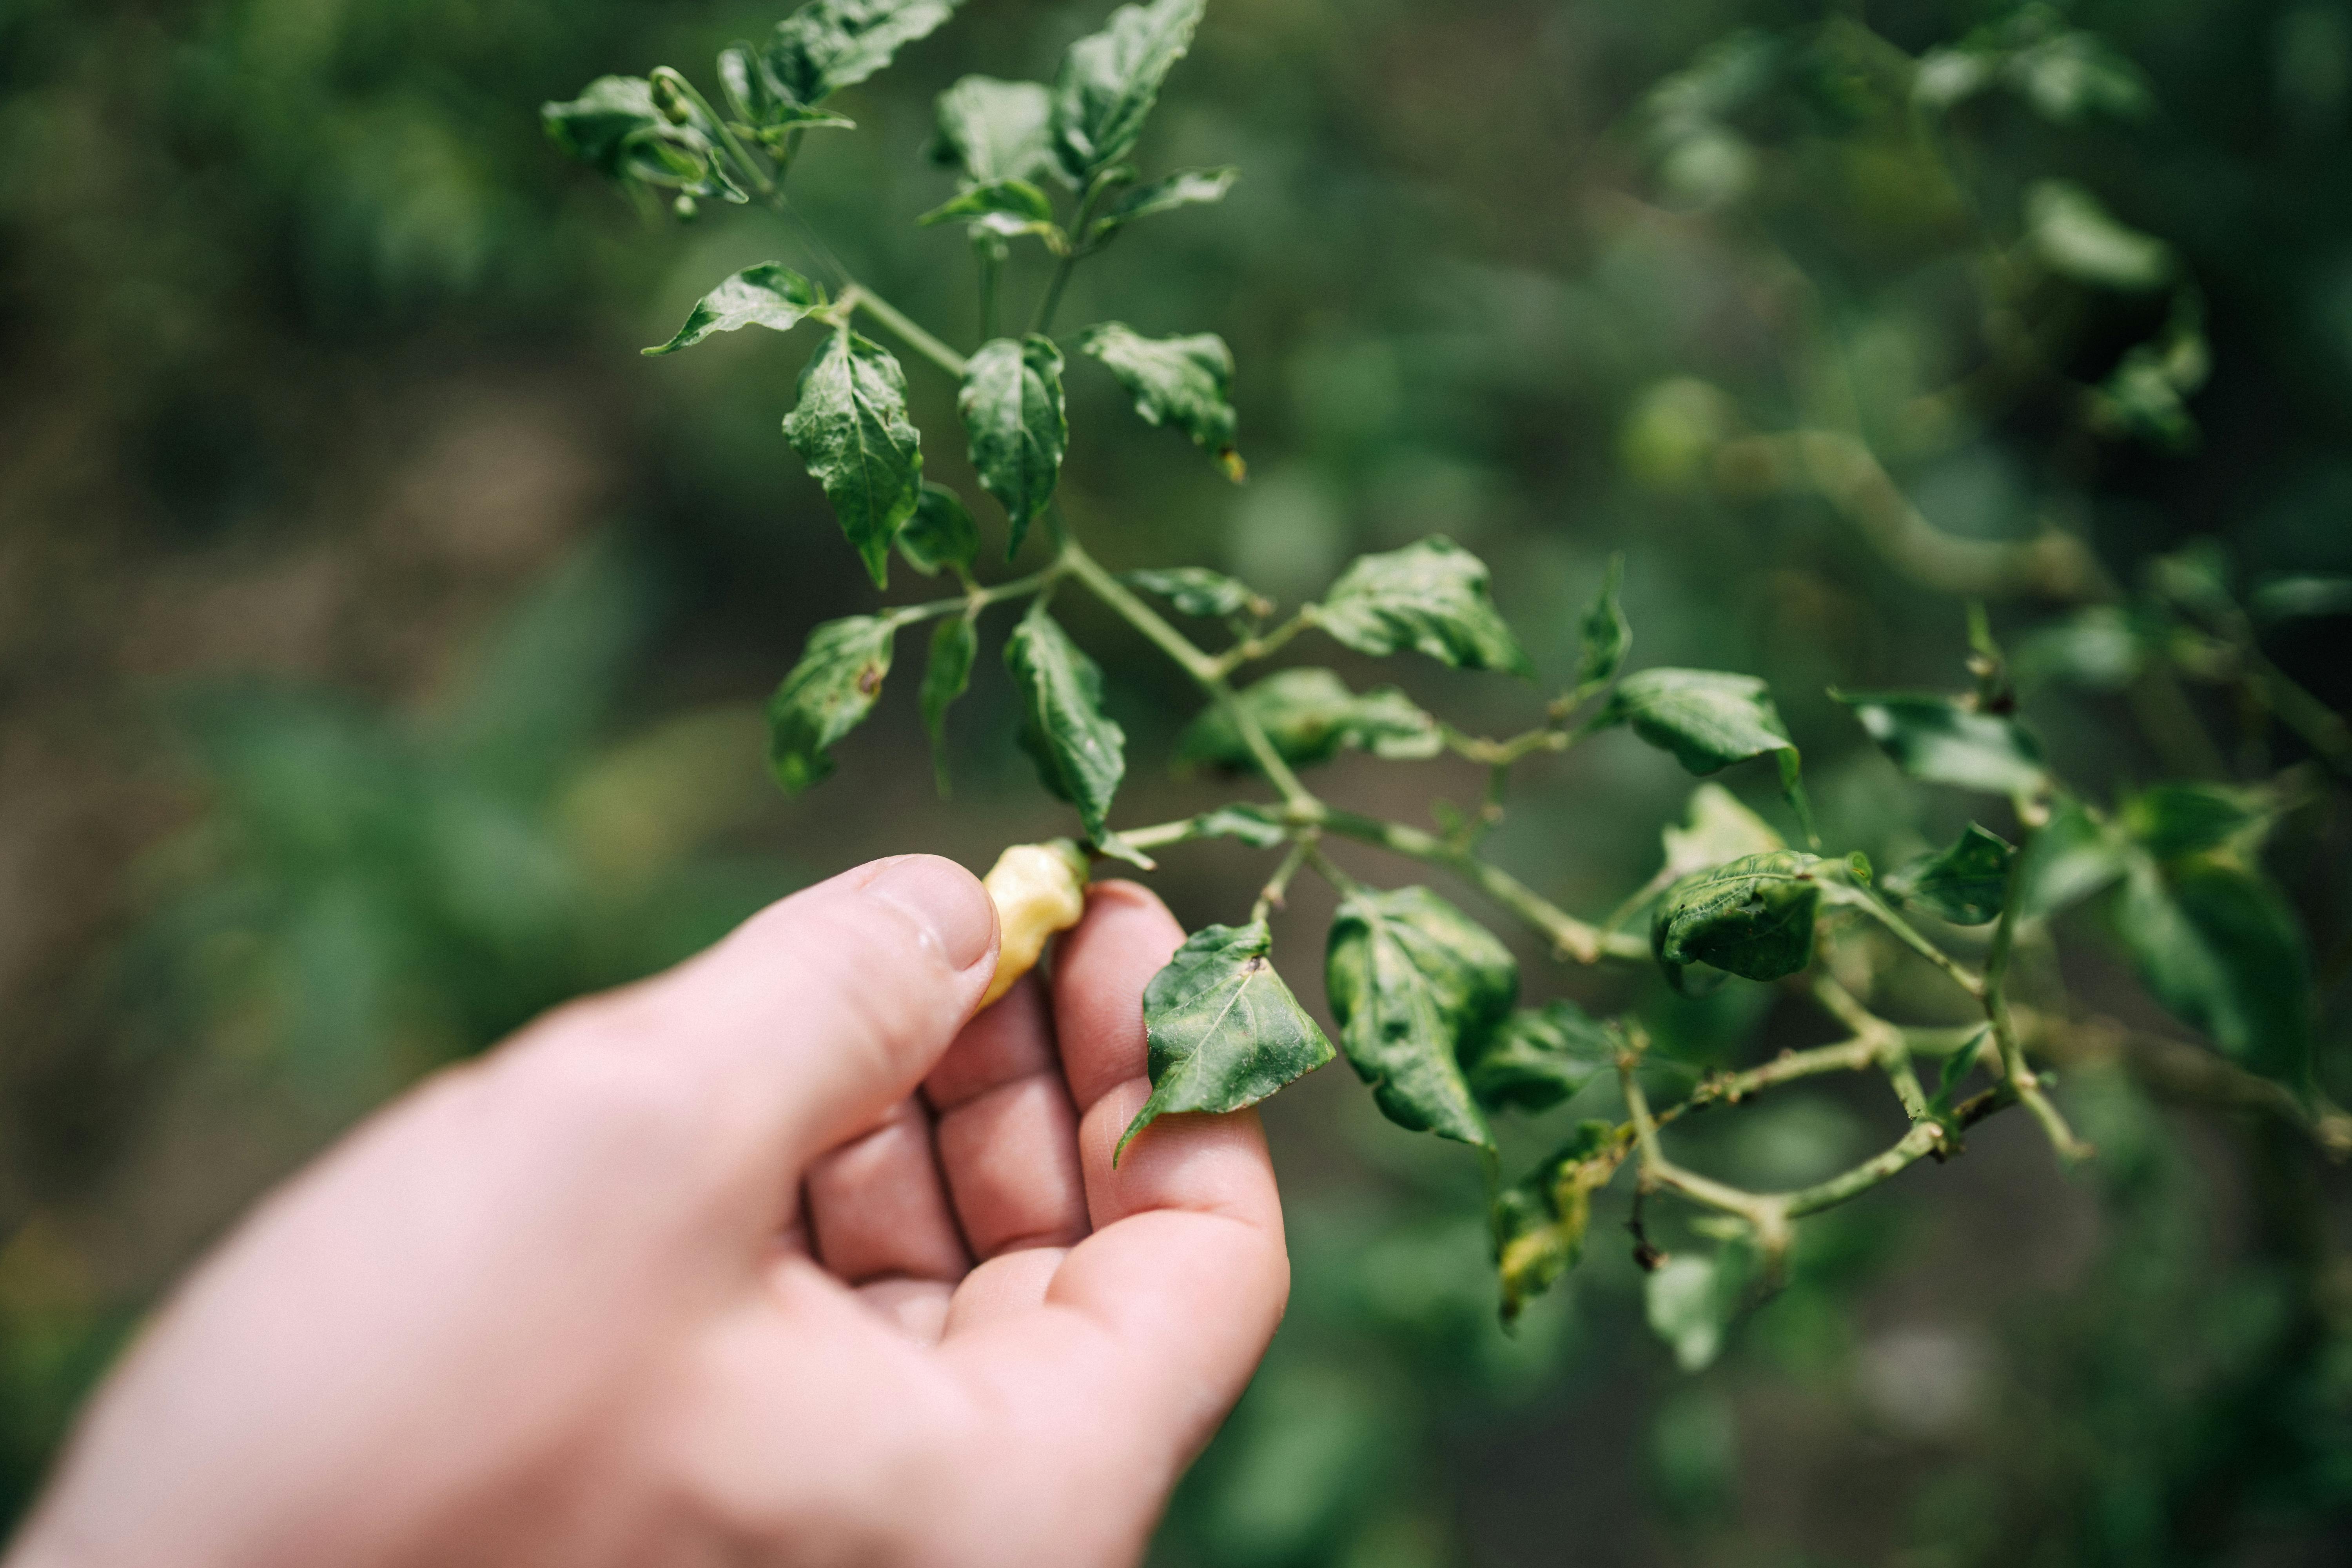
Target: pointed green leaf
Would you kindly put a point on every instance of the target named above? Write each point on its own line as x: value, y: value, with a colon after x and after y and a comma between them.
x: 1944, y: 740
x: 1965, y: 884
x: 1708, y: 719
x: 1186, y: 187
x: 1606, y: 635
x: 1006, y: 207
x: 596, y: 126
x: 941, y: 534
x: 768, y: 295
x: 1109, y: 80
x: 1183, y: 382
x: 1081, y: 754
x: 1310, y: 716
x: 2174, y: 820
x: 1012, y: 409
x: 2217, y: 946
x: 1224, y: 1032
x: 1538, y: 1057
x: 1753, y: 917
x: 1717, y: 828
x: 850, y: 427
x: 1415, y: 984
x: 993, y: 130
x: 946, y: 677
x: 828, y: 692
x: 828, y: 44
x: 2077, y: 238
x: 1197, y: 591
x: 1691, y: 1300
x: 1540, y: 1220
x: 1259, y: 826
x: 1431, y: 596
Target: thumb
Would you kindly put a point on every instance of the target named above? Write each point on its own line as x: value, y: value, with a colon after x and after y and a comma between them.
x: 808, y: 1022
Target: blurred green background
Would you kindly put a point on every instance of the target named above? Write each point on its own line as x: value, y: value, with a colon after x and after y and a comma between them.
x: 381, y: 643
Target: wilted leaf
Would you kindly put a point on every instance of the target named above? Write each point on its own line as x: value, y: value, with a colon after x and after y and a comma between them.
x: 596, y: 126
x: 768, y: 295
x: 1965, y: 884
x: 1431, y: 596
x: 954, y: 645
x: 1415, y: 984
x: 1538, y: 1057
x: 2076, y: 237
x: 1186, y: 382
x: 1310, y: 716
x: 1540, y: 1220
x: 832, y: 687
x: 1692, y: 1300
x: 1197, y: 591
x: 1753, y: 917
x: 1186, y: 187
x: 994, y: 129
x: 1224, y: 1031
x: 1109, y: 80
x: 2217, y: 946
x: 828, y: 44
x: 940, y: 534
x: 1011, y: 410
x: 1708, y: 719
x: 1081, y: 754
x: 1944, y: 740
x: 1606, y: 635
x: 1718, y: 828
x: 850, y: 426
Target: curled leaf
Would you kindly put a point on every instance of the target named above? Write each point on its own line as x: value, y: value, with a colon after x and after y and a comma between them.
x: 1538, y: 1057
x: 768, y: 295
x: 1540, y: 1220
x: 1310, y: 716
x: 1432, y: 598
x: 1753, y: 917
x: 1965, y: 884
x: 1416, y: 985
x: 827, y: 694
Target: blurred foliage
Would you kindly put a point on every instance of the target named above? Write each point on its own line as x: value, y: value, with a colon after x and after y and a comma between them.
x: 337, y: 746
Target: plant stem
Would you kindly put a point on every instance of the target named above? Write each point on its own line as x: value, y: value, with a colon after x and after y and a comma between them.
x: 2017, y: 1069
x: 1270, y: 896
x: 978, y: 599
x: 1263, y: 646
x: 1871, y: 904
x: 856, y: 296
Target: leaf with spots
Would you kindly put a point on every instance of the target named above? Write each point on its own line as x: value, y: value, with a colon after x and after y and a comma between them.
x: 827, y: 694
x: 1417, y: 985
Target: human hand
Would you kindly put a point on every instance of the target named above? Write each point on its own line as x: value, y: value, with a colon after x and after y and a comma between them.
x: 694, y: 1272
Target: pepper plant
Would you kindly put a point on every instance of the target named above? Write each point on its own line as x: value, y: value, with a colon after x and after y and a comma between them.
x: 1427, y: 1000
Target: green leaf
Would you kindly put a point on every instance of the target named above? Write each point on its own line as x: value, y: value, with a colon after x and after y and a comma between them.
x: 1006, y: 207
x: 1944, y: 740
x: 2071, y: 857
x: 1310, y: 716
x: 994, y: 129
x: 2101, y: 647
x: 1717, y: 828
x: 828, y: 44
x: 1431, y: 596
x: 954, y: 645
x: 2171, y: 821
x: 828, y: 692
x: 1259, y: 826
x: 1540, y: 1220
x: 1708, y: 720
x: 1181, y: 382
x: 2298, y: 598
x: 768, y: 295
x: 1197, y: 591
x: 1224, y: 1032
x: 1186, y: 187
x: 1538, y: 1057
x: 1605, y: 634
x: 1416, y: 984
x: 941, y: 534
x: 1691, y: 1300
x: 1012, y: 409
x: 1753, y: 917
x: 2077, y: 238
x: 1965, y: 884
x: 1081, y: 754
x: 850, y: 427
x: 1109, y: 80
x: 595, y: 127
x: 2217, y: 946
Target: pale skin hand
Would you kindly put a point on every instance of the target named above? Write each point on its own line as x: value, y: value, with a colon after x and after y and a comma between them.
x: 781, y: 1257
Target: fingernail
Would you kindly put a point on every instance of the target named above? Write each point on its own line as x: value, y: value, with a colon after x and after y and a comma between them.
x: 946, y: 902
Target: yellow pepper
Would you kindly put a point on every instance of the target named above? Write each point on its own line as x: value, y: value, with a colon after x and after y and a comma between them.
x: 1038, y: 890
